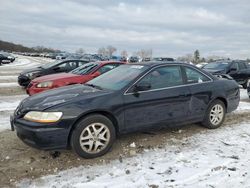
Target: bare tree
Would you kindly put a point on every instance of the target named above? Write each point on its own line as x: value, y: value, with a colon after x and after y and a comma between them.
x: 102, y: 51
x: 110, y: 50
x: 80, y: 51
x: 187, y: 58
x: 124, y: 53
x: 145, y: 53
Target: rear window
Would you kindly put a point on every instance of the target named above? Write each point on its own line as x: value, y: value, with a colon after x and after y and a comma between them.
x: 242, y: 65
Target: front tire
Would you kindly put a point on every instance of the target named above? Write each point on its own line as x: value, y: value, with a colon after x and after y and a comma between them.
x: 93, y: 136
x: 245, y: 84
x: 215, y: 115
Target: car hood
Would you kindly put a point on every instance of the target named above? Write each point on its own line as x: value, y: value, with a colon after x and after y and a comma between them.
x: 37, y: 69
x: 215, y: 71
x: 61, y: 95
x: 53, y: 77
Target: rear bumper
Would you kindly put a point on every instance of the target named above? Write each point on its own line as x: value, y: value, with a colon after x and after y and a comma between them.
x: 6, y: 61
x: 42, y: 137
x: 233, y: 102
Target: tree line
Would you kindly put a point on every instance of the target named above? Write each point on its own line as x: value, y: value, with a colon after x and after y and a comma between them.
x: 11, y: 47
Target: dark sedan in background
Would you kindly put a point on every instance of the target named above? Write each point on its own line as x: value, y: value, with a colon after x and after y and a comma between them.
x: 51, y: 68
x: 131, y: 97
x: 236, y: 69
x: 6, y: 58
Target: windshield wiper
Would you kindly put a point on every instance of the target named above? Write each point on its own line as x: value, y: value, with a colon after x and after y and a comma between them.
x: 94, y: 86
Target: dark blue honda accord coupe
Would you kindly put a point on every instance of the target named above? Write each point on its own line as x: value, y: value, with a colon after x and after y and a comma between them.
x: 87, y: 118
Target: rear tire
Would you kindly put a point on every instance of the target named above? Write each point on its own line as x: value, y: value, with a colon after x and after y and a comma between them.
x: 93, y: 136
x: 215, y: 115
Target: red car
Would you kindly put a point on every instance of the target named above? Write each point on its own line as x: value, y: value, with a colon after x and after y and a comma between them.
x: 77, y: 76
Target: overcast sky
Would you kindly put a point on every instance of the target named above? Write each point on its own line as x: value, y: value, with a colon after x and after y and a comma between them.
x: 170, y: 27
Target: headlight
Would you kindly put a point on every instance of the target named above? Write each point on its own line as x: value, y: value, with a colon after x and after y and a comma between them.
x: 31, y: 74
x: 44, y: 84
x: 43, y: 117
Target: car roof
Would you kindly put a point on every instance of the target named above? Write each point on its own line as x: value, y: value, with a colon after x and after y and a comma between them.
x: 108, y: 62
x: 156, y: 63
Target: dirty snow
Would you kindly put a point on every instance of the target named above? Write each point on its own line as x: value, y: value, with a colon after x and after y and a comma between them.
x: 212, y: 158
x: 216, y: 158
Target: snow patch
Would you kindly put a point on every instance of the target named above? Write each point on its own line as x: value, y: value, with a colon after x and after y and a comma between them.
x: 11, y: 84
x: 217, y: 158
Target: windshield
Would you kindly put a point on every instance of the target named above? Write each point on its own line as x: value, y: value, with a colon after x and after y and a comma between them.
x: 216, y: 65
x: 119, y: 77
x: 85, y: 69
x: 49, y: 65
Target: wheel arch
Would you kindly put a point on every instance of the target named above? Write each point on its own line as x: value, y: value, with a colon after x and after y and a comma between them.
x: 107, y: 114
x: 223, y: 99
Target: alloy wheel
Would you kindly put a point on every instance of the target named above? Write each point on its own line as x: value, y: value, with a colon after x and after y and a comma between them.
x: 94, y: 138
x: 216, y: 114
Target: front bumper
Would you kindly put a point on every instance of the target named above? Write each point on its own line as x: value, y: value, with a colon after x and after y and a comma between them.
x: 41, y: 136
x: 23, y: 80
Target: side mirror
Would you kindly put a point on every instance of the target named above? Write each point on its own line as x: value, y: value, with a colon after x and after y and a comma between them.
x: 233, y: 69
x: 143, y: 86
x: 96, y: 74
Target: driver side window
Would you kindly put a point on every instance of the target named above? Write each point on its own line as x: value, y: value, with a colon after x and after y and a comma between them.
x: 67, y: 66
x: 163, y: 77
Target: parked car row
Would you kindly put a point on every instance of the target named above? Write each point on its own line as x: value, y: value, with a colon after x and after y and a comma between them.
x: 50, y: 68
x: 6, y: 58
x: 79, y: 75
x: 117, y: 98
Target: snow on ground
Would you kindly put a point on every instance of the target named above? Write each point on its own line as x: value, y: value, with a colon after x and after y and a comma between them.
x: 5, y: 121
x: 215, y: 158
x: 10, y: 84
x: 10, y: 102
x: 12, y: 72
x: 244, y: 95
x: 244, y: 103
x: 243, y: 106
x: 7, y: 105
x: 22, y: 63
x: 8, y: 77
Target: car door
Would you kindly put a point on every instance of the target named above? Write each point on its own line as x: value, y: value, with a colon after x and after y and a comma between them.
x: 234, y: 71
x: 201, y: 91
x: 243, y: 72
x: 166, y: 101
